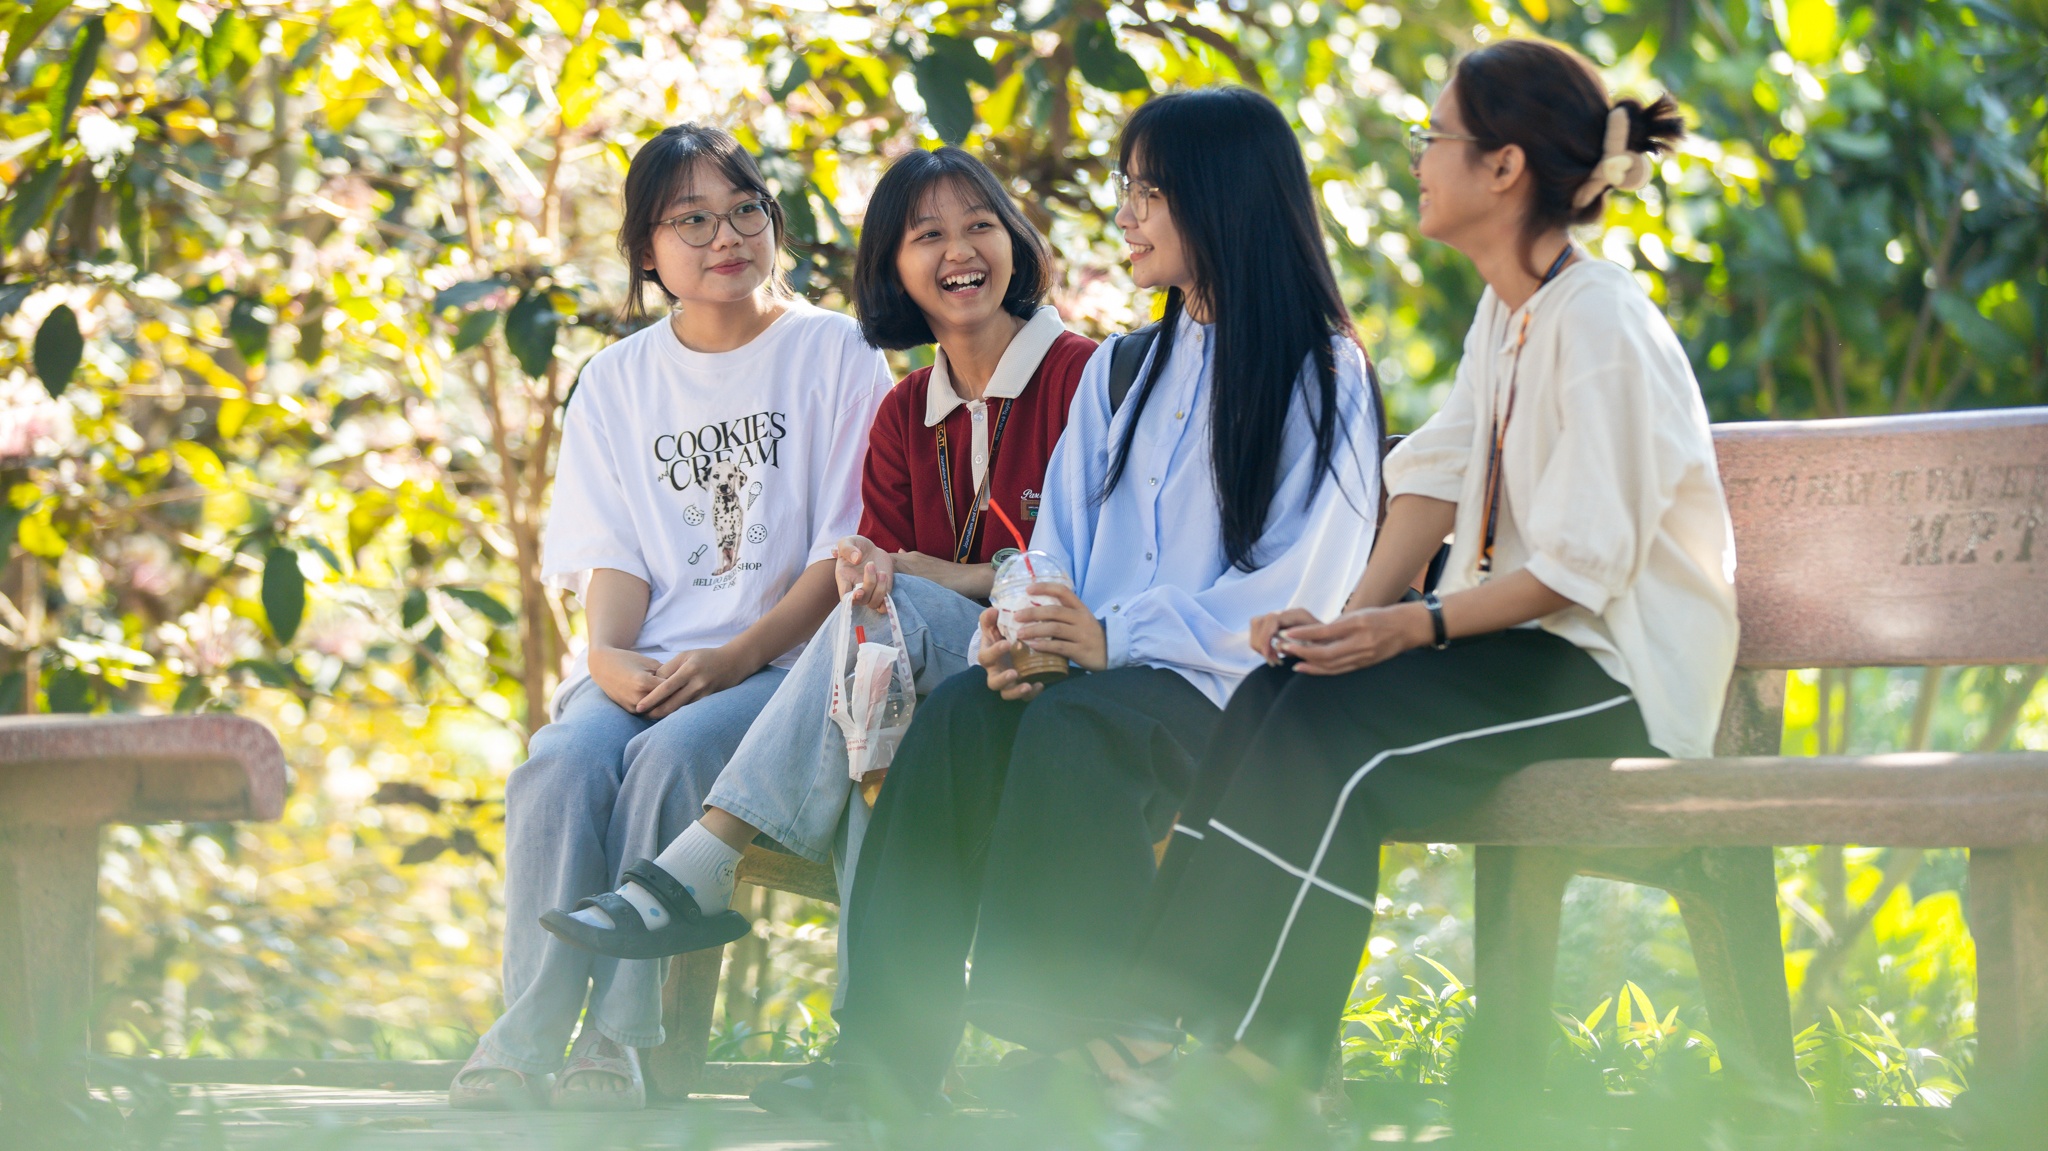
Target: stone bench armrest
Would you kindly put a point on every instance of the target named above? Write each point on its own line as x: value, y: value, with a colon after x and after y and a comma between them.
x: 81, y: 771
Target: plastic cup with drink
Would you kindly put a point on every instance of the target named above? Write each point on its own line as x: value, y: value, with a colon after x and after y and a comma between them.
x: 1011, y: 595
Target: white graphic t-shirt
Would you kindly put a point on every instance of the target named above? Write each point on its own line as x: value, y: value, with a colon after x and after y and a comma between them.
x: 716, y: 477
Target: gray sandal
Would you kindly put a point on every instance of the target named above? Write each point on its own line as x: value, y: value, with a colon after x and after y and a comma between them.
x: 687, y: 929
x: 529, y: 1093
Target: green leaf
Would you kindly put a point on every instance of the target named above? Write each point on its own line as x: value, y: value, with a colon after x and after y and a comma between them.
x: 59, y: 347
x: 85, y: 57
x: 219, y: 50
x: 1105, y: 65
x: 530, y: 328
x: 326, y: 553
x: 247, y: 330
x: 1988, y: 341
x: 131, y: 217
x: 32, y: 201
x: 787, y: 71
x: 70, y: 691
x: 11, y: 296
x: 473, y: 327
x: 284, y: 593
x: 414, y: 607
x: 268, y: 672
x: 466, y: 293
x: 942, y: 75
x: 484, y: 603
x: 797, y: 213
x: 28, y: 28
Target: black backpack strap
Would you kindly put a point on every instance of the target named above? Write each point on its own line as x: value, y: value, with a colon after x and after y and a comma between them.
x: 1126, y: 356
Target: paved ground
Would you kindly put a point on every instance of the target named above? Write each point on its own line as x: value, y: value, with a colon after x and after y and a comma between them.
x: 260, y: 1118
x: 239, y: 1118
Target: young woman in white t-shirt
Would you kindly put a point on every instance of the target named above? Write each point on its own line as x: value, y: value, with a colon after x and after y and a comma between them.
x: 709, y: 464
x: 1587, y: 607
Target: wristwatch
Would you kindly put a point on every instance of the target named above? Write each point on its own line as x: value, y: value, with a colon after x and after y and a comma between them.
x: 1436, y: 619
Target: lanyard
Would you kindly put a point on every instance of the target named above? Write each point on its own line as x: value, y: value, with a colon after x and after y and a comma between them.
x: 1500, y: 421
x: 963, y: 541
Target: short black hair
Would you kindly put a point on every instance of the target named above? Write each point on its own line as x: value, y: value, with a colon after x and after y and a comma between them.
x: 665, y: 168
x: 889, y: 318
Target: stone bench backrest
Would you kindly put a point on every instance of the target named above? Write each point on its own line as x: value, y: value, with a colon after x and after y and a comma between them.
x: 1897, y: 540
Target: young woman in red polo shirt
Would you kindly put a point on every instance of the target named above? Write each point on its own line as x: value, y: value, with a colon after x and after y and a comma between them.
x: 945, y: 256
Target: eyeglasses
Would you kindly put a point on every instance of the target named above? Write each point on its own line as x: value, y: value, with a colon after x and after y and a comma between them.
x: 698, y: 228
x: 1136, y: 194
x: 1420, y: 138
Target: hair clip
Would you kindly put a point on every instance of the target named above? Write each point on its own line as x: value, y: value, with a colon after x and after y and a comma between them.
x: 1618, y: 167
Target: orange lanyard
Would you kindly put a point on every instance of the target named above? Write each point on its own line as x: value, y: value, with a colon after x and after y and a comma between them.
x: 1502, y: 419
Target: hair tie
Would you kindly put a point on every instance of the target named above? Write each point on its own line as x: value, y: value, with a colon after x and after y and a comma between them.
x: 1618, y: 167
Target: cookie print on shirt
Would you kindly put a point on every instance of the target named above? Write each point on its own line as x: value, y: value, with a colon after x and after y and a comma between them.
x: 720, y: 463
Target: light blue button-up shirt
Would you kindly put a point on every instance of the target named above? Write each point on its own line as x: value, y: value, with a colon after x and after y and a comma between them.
x: 1149, y: 560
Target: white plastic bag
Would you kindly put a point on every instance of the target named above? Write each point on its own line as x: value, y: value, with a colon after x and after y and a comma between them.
x: 873, y: 692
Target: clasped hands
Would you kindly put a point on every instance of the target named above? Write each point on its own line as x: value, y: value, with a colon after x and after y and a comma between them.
x: 1065, y: 628
x: 654, y: 688
x: 1355, y: 639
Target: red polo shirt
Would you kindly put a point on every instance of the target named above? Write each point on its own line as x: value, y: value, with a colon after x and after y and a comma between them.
x: 903, y: 505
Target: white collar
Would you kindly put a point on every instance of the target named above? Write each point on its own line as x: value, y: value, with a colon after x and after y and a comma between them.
x: 1013, y: 372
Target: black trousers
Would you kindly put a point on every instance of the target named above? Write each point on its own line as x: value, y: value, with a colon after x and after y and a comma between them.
x: 1265, y: 898
x: 1026, y: 831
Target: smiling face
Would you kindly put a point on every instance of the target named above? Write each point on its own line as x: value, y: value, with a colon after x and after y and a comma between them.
x: 729, y: 268
x: 1158, y: 259
x: 1463, y: 190
x: 955, y: 261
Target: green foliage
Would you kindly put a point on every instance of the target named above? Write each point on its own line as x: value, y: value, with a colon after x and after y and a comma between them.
x: 1413, y: 1038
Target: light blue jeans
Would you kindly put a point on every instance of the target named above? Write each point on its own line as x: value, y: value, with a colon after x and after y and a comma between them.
x: 600, y: 788
x: 789, y: 776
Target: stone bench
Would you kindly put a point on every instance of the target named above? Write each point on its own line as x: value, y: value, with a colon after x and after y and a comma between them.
x: 61, y: 777
x: 1900, y: 541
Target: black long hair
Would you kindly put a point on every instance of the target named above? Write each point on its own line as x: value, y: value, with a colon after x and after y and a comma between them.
x: 889, y: 318
x: 1235, y: 180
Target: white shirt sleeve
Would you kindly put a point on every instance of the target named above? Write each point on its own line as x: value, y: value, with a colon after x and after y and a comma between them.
x: 1610, y: 477
x: 588, y: 524
x: 1311, y: 552
x: 1431, y: 460
x: 837, y: 504
x: 1065, y: 528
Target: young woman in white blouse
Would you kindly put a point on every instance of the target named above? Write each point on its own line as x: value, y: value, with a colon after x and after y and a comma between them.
x: 710, y: 462
x: 1587, y: 607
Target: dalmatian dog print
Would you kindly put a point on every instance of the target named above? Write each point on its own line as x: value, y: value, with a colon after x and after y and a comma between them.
x: 728, y: 485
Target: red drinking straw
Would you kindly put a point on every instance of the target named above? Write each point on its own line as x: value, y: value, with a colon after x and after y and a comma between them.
x: 1017, y: 535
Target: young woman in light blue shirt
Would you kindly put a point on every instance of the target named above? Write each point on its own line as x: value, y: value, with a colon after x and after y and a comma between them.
x: 1241, y: 469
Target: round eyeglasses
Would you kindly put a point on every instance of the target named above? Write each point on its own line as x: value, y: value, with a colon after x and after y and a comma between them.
x: 698, y: 227
x: 1420, y: 138
x: 1138, y: 195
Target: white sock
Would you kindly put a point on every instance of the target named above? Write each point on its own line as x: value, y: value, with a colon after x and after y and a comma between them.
x: 703, y: 863
x: 698, y: 860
